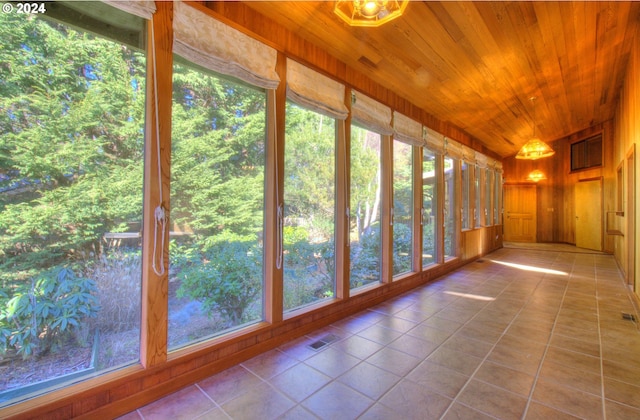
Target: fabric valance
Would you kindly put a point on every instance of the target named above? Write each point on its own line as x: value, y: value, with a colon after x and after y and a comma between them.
x: 315, y: 91
x: 141, y: 8
x: 407, y: 130
x: 434, y: 141
x: 452, y: 148
x: 210, y: 43
x: 371, y: 114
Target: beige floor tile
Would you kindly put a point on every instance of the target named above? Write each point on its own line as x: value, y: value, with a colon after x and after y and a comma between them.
x: 394, y: 361
x: 568, y: 376
x: 622, y: 392
x: 409, y: 400
x: 569, y: 400
x: 332, y: 362
x: 357, y: 346
x: 337, y: 401
x: 514, y: 359
x: 369, y: 380
x: 299, y: 382
x: 505, y: 377
x: 184, y: 404
x: 455, y: 360
x: 458, y: 411
x: 229, y: 384
x: 620, y: 411
x: 468, y: 345
x: 413, y: 346
x: 492, y: 400
x: 263, y: 399
x: 579, y: 361
x: 568, y: 343
x: 438, y: 378
x: 538, y: 411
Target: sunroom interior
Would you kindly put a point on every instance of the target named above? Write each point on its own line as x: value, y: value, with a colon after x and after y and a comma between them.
x: 185, y: 186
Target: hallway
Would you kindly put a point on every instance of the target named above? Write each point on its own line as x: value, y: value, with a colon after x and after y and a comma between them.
x: 520, y: 333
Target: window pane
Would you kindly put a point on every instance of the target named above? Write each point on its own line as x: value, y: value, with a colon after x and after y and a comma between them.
x: 365, y: 249
x: 449, y: 203
x: 217, y: 195
x: 466, y: 193
x: 71, y: 165
x: 488, y: 193
x: 429, y: 208
x: 477, y: 188
x: 497, y: 199
x: 402, y: 207
x: 309, y: 198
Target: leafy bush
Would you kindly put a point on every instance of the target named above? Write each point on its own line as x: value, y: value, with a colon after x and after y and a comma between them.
x: 46, y: 311
x: 229, y: 280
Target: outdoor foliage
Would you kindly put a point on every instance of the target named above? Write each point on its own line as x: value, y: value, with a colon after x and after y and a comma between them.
x: 71, y: 163
x: 41, y: 314
x: 229, y: 281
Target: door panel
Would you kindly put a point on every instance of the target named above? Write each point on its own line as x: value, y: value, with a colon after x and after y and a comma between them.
x: 631, y: 219
x: 588, y: 211
x: 520, y: 213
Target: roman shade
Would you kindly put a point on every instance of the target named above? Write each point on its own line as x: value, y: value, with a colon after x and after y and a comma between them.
x: 315, y: 91
x: 434, y: 141
x: 371, y: 114
x: 407, y: 130
x: 141, y: 8
x: 205, y: 41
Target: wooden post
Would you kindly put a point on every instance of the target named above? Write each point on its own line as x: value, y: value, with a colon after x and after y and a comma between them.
x: 155, y: 238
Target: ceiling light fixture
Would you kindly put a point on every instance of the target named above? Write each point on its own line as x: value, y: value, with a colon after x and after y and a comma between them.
x: 535, y: 148
x: 369, y: 12
x: 536, y: 176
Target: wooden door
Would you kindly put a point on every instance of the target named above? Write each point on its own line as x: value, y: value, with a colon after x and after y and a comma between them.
x: 588, y: 211
x: 630, y: 214
x: 520, y: 213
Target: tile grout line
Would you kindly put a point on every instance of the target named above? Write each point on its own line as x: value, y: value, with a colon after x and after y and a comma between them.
x: 547, y: 345
x: 604, y: 408
x: 455, y: 399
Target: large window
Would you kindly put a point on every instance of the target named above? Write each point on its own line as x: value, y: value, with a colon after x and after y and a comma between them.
x: 309, y: 212
x: 71, y: 166
x: 449, y: 204
x: 429, y: 207
x: 365, y: 236
x: 478, y: 187
x: 402, y: 207
x: 217, y: 200
x: 489, y: 192
x: 466, y: 215
x: 497, y: 198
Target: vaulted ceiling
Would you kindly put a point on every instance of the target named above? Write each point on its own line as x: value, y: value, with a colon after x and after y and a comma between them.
x: 476, y: 64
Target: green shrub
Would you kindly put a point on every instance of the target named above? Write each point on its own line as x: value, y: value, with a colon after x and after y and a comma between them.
x: 229, y: 280
x: 45, y: 311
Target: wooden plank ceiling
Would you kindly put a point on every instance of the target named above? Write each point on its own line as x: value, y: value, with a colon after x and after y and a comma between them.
x: 476, y: 64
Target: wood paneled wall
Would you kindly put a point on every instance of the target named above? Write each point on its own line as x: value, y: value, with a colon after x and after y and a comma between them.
x: 627, y: 138
x: 555, y: 196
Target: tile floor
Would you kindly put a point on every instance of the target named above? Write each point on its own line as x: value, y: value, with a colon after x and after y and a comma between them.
x: 519, y: 334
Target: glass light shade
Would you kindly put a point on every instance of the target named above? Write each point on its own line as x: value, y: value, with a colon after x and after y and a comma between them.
x: 369, y: 12
x: 536, y: 176
x: 535, y: 149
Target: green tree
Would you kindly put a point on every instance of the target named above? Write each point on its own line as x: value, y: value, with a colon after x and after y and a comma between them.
x: 71, y: 112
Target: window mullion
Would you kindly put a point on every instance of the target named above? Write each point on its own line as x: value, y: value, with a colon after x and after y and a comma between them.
x: 153, y: 336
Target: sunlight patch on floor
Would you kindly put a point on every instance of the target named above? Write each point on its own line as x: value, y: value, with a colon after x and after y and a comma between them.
x: 531, y: 268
